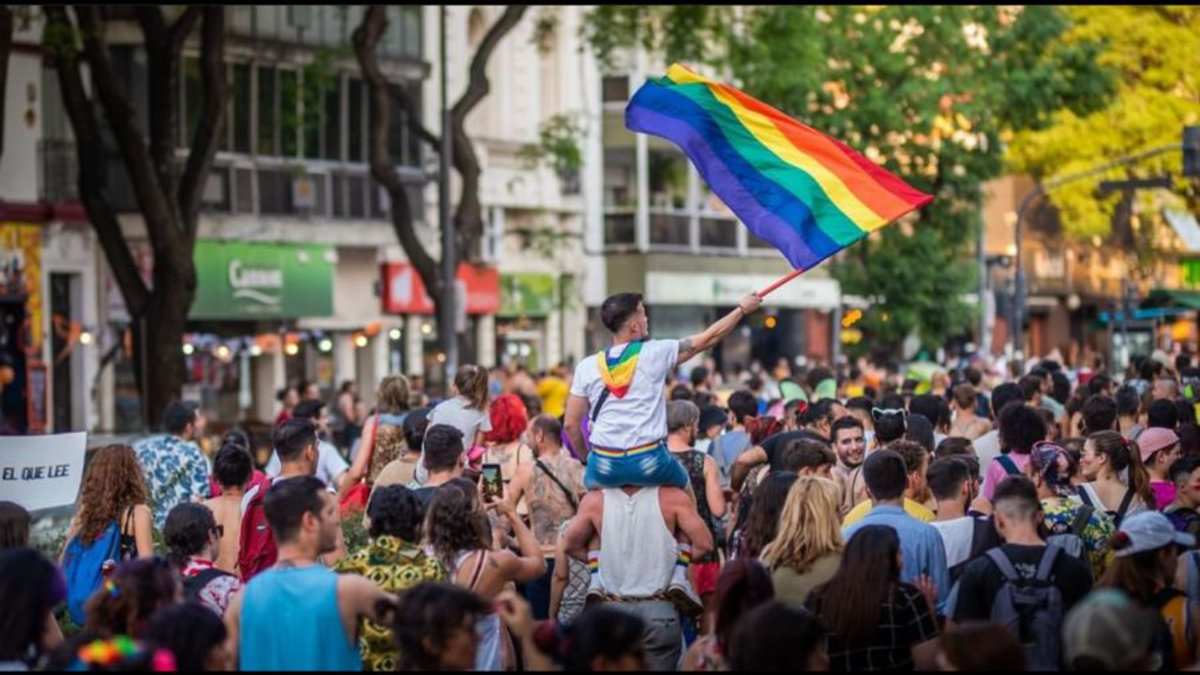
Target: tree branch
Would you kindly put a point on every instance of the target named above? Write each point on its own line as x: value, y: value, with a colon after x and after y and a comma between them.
x: 413, y: 117
x: 164, y: 45
x: 213, y: 116
x: 366, y: 38
x: 90, y: 149
x: 157, y: 210
x: 469, y: 214
x: 6, y: 40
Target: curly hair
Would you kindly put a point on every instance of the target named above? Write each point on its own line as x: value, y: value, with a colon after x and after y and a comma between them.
x: 393, y: 397
x: 509, y: 419
x: 455, y: 522
x: 187, y: 531
x: 114, y: 483
x: 123, y: 605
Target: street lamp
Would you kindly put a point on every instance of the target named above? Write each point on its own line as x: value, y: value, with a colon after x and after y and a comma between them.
x: 1191, y: 152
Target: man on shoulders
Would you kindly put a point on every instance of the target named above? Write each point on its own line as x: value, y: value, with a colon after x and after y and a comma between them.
x: 176, y: 469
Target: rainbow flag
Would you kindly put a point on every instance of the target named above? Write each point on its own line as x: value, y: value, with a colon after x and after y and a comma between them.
x: 806, y: 193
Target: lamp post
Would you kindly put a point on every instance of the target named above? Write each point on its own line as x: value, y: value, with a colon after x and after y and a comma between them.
x: 446, y: 303
x: 1040, y: 190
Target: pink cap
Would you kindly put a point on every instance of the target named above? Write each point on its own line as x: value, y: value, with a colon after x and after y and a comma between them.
x: 1152, y: 440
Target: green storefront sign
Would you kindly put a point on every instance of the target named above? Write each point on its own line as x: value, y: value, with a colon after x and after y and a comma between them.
x: 238, y: 280
x: 528, y: 295
x: 1190, y: 273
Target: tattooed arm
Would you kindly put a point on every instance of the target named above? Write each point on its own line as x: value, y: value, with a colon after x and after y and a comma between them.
x: 714, y: 334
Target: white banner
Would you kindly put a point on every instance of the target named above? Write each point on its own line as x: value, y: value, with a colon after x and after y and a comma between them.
x: 41, y: 472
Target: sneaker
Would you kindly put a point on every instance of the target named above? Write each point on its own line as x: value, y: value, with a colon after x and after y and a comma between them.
x: 681, y: 593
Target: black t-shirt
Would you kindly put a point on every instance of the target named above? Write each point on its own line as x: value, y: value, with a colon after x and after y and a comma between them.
x: 774, y: 445
x: 425, y: 494
x: 982, y: 580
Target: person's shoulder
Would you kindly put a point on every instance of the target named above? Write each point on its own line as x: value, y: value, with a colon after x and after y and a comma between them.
x: 142, y: 511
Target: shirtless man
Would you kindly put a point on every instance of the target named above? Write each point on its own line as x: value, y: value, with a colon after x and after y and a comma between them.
x: 637, y: 529
x: 233, y: 468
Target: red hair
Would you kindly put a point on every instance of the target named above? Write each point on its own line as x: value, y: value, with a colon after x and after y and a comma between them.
x: 509, y: 419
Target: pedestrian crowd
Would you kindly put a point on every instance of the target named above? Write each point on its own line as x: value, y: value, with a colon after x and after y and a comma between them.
x: 621, y: 516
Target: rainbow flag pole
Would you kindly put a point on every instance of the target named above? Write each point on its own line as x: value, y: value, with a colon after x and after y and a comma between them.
x: 804, y: 192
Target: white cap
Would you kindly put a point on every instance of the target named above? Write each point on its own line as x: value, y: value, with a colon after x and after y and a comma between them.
x: 1150, y: 531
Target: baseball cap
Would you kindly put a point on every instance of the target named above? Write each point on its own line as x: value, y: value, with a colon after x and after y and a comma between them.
x: 712, y: 415
x: 1148, y: 531
x: 1154, y: 439
x: 1108, y: 629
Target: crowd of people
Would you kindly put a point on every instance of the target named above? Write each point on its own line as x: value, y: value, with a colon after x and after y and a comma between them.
x: 637, y: 513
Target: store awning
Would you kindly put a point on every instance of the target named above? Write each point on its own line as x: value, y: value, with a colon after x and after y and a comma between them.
x: 1163, y: 297
x: 1186, y: 227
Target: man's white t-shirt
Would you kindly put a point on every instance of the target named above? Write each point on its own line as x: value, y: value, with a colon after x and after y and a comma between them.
x: 330, y: 464
x: 957, y: 535
x: 640, y: 418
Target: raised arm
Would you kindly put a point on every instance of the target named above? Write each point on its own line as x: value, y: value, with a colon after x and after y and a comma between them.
x: 582, y: 526
x: 714, y: 334
x: 361, y: 461
x: 745, y: 462
x: 712, y: 488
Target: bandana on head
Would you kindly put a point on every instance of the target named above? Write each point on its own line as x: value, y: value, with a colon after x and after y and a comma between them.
x: 617, y: 373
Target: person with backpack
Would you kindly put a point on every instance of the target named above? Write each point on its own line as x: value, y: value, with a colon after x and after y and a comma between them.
x: 954, y: 481
x: 300, y: 615
x: 1107, y: 455
x: 296, y: 443
x: 193, y: 540
x: 1024, y: 585
x: 1185, y: 474
x: 112, y: 524
x: 1021, y: 426
x: 1147, y: 549
x: 1071, y: 524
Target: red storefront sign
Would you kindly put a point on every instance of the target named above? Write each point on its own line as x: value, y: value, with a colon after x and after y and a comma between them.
x: 404, y: 292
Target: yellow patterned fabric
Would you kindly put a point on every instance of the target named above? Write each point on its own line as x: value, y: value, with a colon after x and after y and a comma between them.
x: 394, y: 566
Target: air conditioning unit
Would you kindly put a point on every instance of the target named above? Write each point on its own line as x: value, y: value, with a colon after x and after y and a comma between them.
x: 304, y: 192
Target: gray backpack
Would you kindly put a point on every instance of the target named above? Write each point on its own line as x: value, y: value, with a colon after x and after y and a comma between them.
x: 1071, y: 542
x: 1031, y: 609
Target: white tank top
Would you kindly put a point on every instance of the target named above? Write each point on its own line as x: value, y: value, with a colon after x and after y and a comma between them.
x: 637, y: 551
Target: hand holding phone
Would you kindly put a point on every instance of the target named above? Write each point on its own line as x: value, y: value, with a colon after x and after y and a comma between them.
x: 493, y: 485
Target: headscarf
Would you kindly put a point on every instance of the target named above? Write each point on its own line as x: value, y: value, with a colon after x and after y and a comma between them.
x: 1055, y: 466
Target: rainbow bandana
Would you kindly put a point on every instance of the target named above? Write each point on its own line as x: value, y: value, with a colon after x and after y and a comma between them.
x: 617, y: 373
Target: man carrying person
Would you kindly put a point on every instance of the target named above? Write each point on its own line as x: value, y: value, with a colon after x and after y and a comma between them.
x: 331, y: 467
x: 283, y: 619
x: 176, y: 469
x: 621, y: 391
x: 637, y: 529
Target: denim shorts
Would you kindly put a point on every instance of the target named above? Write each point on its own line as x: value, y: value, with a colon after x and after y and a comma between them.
x: 648, y: 469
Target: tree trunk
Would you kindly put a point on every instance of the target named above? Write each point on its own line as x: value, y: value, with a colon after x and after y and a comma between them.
x: 169, y: 205
x: 6, y: 39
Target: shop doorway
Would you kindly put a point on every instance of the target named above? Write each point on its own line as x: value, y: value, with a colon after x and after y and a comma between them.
x: 66, y: 363
x: 14, y: 418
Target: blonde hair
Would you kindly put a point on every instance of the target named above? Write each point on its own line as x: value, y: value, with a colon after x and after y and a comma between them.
x: 809, y: 526
x: 393, y: 397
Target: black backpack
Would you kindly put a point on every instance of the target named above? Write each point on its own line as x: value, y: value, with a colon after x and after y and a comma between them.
x: 194, y: 584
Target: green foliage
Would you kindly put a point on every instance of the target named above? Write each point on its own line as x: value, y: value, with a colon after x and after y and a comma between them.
x: 1153, y: 50
x: 545, y: 28
x: 61, y: 41
x: 558, y: 144
x: 926, y: 91
x: 354, y: 533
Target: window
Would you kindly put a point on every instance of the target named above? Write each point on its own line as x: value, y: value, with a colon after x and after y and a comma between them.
x: 333, y: 121
x: 357, y: 121
x: 289, y: 113
x: 615, y: 89
x: 268, y: 119
x: 275, y: 192
x: 397, y: 131
x: 241, y: 108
